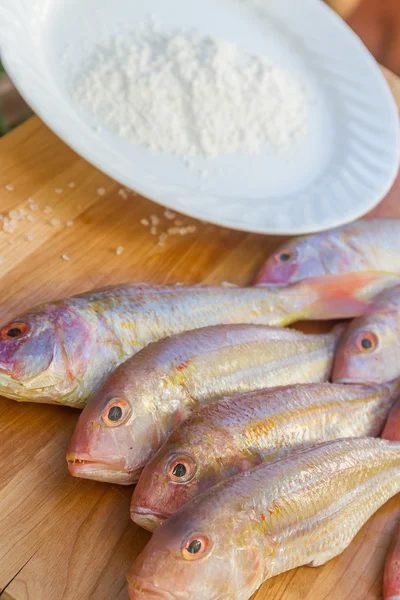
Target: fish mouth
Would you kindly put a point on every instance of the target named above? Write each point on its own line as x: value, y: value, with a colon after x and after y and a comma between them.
x: 147, y: 518
x: 140, y: 588
x: 88, y: 468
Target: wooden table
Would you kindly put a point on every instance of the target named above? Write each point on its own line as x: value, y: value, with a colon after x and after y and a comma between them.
x: 66, y: 539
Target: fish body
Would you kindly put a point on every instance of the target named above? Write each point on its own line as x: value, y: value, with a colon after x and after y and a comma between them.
x: 365, y: 245
x: 62, y: 352
x: 146, y: 397
x: 300, y: 510
x: 236, y: 434
x: 370, y: 348
x: 391, y: 580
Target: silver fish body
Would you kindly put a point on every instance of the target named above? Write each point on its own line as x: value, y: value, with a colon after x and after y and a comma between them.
x: 236, y: 434
x: 304, y: 509
x: 62, y: 352
x: 146, y: 397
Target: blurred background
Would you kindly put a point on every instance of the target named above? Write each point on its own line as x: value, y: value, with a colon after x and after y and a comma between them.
x: 377, y: 22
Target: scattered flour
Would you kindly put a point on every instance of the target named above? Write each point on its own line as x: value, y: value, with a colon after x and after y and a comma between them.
x: 189, y: 95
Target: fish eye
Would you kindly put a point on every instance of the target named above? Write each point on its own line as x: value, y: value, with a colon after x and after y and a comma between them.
x: 196, y: 546
x: 14, y: 331
x: 116, y: 412
x: 284, y: 256
x: 181, y: 468
x: 367, y: 342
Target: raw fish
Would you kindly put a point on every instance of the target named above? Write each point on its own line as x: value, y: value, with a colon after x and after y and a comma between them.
x: 370, y: 348
x: 62, y: 352
x: 300, y: 510
x: 236, y: 434
x: 146, y: 397
x: 365, y: 245
x: 391, y: 581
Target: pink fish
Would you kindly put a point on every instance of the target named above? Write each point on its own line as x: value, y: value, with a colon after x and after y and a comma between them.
x: 366, y: 245
x: 303, y: 509
x: 146, y: 397
x: 392, y: 428
x: 236, y: 434
x: 370, y: 348
x: 391, y: 580
x: 61, y: 352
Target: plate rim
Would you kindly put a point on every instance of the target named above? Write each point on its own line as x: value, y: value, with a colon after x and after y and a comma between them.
x: 73, y: 141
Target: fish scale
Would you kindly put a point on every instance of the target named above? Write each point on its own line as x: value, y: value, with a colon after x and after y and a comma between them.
x: 236, y: 434
x: 326, y: 494
x: 304, y: 509
x: 79, y: 341
x: 167, y: 380
x: 276, y: 363
x: 346, y: 516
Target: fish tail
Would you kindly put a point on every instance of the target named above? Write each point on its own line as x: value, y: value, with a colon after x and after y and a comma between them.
x: 391, y: 579
x: 344, y: 296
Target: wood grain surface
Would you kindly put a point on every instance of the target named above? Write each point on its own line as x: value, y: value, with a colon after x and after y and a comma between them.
x: 66, y: 539
x: 344, y: 7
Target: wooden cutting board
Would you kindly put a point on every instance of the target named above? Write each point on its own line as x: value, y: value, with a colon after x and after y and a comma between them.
x: 66, y: 539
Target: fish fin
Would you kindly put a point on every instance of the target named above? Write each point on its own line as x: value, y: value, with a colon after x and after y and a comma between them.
x: 392, y: 428
x: 322, y: 559
x: 339, y: 329
x: 346, y: 295
x: 380, y: 307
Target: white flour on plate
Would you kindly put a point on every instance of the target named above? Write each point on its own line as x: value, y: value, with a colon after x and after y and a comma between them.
x: 190, y: 95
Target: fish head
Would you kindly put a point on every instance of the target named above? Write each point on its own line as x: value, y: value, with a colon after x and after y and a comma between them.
x: 119, y: 429
x: 368, y: 351
x: 44, y: 353
x: 163, y: 487
x: 202, y: 553
x: 296, y: 260
x: 281, y: 267
x: 310, y: 256
x: 191, y: 461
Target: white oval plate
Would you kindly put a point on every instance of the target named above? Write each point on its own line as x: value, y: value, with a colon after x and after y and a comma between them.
x: 338, y: 172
